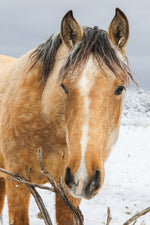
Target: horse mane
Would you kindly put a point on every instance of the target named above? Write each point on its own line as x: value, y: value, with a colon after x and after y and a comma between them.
x: 94, y: 41
x: 44, y: 55
x: 97, y: 42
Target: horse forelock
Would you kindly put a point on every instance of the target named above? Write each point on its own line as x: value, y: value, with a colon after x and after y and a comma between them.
x: 95, y: 41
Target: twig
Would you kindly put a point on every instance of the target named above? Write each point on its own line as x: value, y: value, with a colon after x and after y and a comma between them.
x: 75, y: 211
x: 40, y: 205
x: 78, y: 216
x: 20, y: 179
x: 135, y: 217
x: 79, y: 219
x: 35, y: 194
x: 58, y: 190
x: 109, y: 218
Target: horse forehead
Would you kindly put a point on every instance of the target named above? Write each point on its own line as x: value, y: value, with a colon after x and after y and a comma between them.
x: 92, y: 75
x: 87, y: 77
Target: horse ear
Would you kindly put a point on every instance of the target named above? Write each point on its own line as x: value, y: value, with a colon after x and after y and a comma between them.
x: 119, y: 30
x: 71, y: 31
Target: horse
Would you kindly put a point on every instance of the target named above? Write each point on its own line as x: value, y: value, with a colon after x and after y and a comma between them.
x: 65, y: 97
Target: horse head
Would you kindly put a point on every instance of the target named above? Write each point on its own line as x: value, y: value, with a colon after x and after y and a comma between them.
x: 94, y: 77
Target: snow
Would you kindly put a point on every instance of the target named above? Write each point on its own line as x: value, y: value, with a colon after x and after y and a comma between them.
x: 126, y: 189
x: 136, y: 108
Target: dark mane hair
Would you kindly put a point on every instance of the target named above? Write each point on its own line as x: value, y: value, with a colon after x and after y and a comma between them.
x: 94, y: 41
x: 45, y: 55
x: 97, y: 42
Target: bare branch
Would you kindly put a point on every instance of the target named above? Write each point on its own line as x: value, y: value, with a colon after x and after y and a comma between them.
x: 40, y: 205
x: 75, y: 211
x: 78, y: 216
x: 109, y: 218
x: 60, y: 191
x: 41, y: 159
x: 135, y: 217
x: 20, y: 179
x: 35, y: 194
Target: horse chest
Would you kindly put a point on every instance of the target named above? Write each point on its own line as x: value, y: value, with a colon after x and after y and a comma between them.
x: 54, y: 162
x: 26, y: 133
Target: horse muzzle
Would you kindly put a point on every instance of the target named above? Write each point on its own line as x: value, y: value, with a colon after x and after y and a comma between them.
x: 83, y: 187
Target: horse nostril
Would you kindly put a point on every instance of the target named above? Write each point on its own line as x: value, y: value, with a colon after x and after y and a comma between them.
x: 69, y: 180
x: 94, y: 183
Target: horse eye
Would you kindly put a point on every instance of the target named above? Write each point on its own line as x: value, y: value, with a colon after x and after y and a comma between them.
x: 64, y: 88
x: 119, y: 90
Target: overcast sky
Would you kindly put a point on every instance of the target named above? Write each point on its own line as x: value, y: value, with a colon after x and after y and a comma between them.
x: 24, y: 24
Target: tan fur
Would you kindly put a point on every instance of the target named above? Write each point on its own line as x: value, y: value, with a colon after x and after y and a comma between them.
x: 31, y: 119
x: 105, y: 110
x: 24, y: 129
x: 2, y: 193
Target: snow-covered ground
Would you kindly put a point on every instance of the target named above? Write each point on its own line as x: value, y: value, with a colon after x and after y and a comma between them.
x: 126, y: 189
x: 136, y: 110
